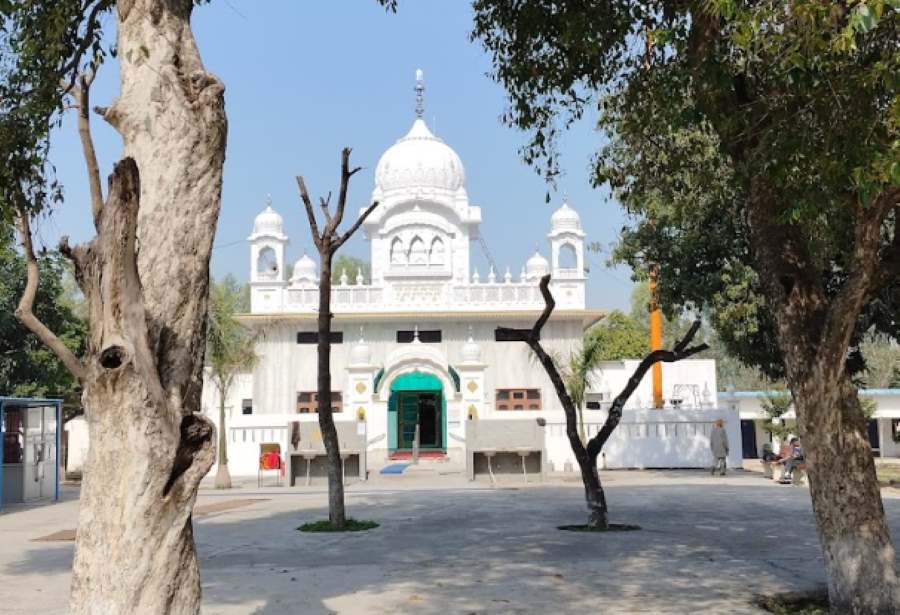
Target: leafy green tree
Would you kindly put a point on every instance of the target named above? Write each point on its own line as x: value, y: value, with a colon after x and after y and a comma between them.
x: 756, y: 146
x: 230, y: 350
x: 617, y: 337
x: 775, y: 405
x: 882, y: 359
x: 351, y: 265
x: 27, y: 367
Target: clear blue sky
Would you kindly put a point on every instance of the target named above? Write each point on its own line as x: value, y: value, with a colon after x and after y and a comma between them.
x: 304, y: 79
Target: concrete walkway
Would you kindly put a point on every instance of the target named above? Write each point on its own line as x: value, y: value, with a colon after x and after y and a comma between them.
x: 449, y: 546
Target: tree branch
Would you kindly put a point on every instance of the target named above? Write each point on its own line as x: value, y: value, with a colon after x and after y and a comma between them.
x: 346, y: 174
x: 323, y: 205
x: 87, y: 40
x: 533, y: 339
x: 679, y: 351
x: 307, y: 202
x: 862, y: 276
x: 82, y: 96
x: 24, y: 312
x: 889, y: 271
x: 355, y: 226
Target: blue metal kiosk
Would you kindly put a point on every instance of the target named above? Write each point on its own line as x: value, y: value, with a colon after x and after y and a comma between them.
x: 30, y: 431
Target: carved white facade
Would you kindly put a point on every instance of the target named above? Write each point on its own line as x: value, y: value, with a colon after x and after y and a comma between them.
x: 420, y: 236
x: 425, y: 316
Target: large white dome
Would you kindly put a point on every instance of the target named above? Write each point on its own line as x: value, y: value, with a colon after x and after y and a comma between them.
x: 419, y: 160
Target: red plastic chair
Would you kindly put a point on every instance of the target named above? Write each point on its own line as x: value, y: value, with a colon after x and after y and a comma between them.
x: 269, y: 460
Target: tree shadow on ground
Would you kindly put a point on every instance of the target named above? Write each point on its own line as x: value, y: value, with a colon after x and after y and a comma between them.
x: 43, y: 558
x: 500, y: 552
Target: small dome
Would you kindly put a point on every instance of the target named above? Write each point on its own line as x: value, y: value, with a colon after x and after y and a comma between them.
x: 361, y: 354
x: 419, y: 160
x: 471, y: 352
x: 537, y: 266
x: 268, y: 223
x: 305, y: 269
x: 565, y: 218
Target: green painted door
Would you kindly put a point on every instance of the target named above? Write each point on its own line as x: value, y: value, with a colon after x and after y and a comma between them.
x: 417, y: 398
x: 408, y: 416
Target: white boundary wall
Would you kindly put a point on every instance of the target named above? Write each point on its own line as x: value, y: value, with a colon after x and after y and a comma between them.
x: 649, y: 438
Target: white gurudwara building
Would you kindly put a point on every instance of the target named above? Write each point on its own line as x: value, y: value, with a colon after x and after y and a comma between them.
x: 417, y: 346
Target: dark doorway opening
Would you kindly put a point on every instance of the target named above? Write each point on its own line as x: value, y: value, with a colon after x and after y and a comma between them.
x: 748, y: 439
x: 425, y: 410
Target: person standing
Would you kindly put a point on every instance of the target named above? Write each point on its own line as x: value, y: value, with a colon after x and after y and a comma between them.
x: 718, y: 444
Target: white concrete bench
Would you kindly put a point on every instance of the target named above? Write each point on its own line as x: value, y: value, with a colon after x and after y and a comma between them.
x: 309, y: 458
x: 505, y: 446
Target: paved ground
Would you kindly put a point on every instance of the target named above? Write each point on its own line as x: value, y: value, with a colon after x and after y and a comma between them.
x: 447, y: 546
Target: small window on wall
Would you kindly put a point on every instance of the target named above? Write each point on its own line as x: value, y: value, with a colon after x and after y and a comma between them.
x: 312, y: 337
x: 432, y: 336
x: 518, y: 399
x: 308, y: 401
x: 511, y: 335
x: 246, y: 406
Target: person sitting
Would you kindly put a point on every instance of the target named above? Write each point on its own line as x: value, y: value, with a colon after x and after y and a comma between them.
x: 768, y: 453
x: 792, y: 460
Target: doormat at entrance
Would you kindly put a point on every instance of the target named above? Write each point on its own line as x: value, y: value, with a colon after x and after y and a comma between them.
x: 394, y: 468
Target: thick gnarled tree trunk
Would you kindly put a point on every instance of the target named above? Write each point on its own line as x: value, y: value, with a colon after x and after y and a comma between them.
x: 145, y: 277
x: 845, y: 495
x: 814, y: 333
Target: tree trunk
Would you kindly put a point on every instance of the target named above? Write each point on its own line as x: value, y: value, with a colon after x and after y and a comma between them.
x: 146, y: 277
x: 586, y: 453
x: 814, y: 332
x: 223, y: 476
x: 336, y: 513
x: 594, y: 497
x: 846, y: 499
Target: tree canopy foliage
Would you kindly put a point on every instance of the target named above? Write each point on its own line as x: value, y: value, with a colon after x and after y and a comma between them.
x: 229, y: 346
x: 756, y: 146
x: 816, y: 90
x: 43, y: 47
x: 27, y: 367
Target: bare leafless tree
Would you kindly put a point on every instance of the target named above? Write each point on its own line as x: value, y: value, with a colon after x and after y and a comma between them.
x: 327, y: 242
x: 586, y: 454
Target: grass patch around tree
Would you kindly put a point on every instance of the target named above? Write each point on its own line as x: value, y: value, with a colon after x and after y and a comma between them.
x: 352, y: 525
x: 612, y: 527
x: 795, y: 603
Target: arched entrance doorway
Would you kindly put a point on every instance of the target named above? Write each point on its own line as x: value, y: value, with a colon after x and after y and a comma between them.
x: 417, y: 398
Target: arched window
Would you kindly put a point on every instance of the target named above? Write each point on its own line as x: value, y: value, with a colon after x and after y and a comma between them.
x: 436, y: 257
x: 398, y: 256
x: 267, y: 263
x: 417, y: 254
x: 568, y: 258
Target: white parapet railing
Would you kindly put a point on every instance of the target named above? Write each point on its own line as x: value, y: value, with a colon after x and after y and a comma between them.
x: 422, y: 294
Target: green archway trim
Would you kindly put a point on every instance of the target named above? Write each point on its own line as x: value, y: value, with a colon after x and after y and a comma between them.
x: 417, y: 381
x: 455, y: 376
